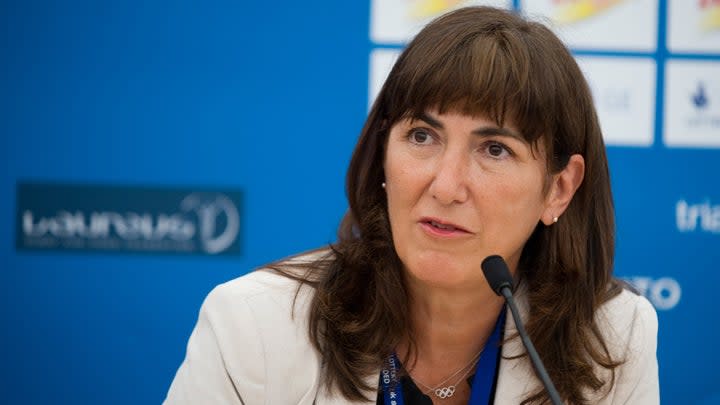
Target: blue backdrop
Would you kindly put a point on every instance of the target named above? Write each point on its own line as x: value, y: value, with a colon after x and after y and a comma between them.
x: 268, y: 99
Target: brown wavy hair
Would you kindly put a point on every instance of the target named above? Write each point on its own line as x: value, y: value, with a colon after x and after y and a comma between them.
x: 476, y: 61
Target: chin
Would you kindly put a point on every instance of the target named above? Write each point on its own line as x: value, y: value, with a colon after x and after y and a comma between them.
x: 440, y: 271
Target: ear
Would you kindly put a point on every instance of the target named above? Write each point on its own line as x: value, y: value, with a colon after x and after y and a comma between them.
x: 562, y: 189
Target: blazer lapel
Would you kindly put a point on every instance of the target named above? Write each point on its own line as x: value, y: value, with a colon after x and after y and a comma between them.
x: 516, y: 378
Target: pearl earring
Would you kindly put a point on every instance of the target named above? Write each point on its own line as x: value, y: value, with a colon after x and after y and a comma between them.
x: 555, y: 219
x: 383, y: 184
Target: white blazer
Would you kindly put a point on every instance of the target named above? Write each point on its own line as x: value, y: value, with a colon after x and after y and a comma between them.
x: 250, y: 346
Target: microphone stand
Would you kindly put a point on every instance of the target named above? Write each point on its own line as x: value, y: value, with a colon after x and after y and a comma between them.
x: 534, y: 357
x: 498, y: 277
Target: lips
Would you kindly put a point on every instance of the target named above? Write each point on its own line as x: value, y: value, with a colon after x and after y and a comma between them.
x: 443, y: 226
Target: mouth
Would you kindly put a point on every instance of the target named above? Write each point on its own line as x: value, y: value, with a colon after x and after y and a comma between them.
x: 444, y: 227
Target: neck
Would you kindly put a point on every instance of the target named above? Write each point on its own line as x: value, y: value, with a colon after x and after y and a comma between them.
x: 450, y: 326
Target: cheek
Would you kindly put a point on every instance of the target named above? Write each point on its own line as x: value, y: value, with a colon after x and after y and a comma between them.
x: 401, y: 195
x: 395, y: 184
x: 519, y: 197
x: 404, y: 190
x: 403, y: 177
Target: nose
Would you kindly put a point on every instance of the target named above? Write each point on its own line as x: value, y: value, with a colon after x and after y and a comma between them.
x: 450, y: 182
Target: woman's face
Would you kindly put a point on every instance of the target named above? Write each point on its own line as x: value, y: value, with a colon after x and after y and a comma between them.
x: 459, y: 189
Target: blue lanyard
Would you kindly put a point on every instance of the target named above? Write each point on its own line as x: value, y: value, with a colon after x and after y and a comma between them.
x: 392, y: 387
x: 482, y: 382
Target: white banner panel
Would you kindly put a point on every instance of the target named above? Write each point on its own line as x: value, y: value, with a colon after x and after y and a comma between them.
x: 692, y: 103
x: 381, y: 62
x: 625, y: 25
x: 693, y: 26
x: 624, y: 94
x: 398, y: 21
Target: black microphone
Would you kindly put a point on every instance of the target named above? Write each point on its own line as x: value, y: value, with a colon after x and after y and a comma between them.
x: 498, y: 276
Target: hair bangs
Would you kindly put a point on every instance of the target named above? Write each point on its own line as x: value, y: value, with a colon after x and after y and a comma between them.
x: 485, y: 75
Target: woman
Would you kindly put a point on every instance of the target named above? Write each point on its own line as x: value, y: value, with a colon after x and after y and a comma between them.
x: 483, y: 140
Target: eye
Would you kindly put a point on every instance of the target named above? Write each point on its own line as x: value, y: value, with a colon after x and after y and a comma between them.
x: 497, y: 150
x: 420, y: 136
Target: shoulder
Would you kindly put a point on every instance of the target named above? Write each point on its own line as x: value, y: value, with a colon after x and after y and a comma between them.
x: 629, y: 325
x: 251, y: 343
x: 627, y: 321
x: 628, y: 299
x: 266, y: 291
x: 258, y: 325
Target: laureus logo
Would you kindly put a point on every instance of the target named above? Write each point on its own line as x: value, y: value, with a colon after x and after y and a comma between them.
x: 127, y: 219
x: 211, y: 211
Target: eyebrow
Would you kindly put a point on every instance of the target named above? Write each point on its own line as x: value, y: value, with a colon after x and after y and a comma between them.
x: 481, y: 131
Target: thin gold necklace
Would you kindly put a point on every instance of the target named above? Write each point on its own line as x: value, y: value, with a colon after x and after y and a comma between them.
x: 443, y: 391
